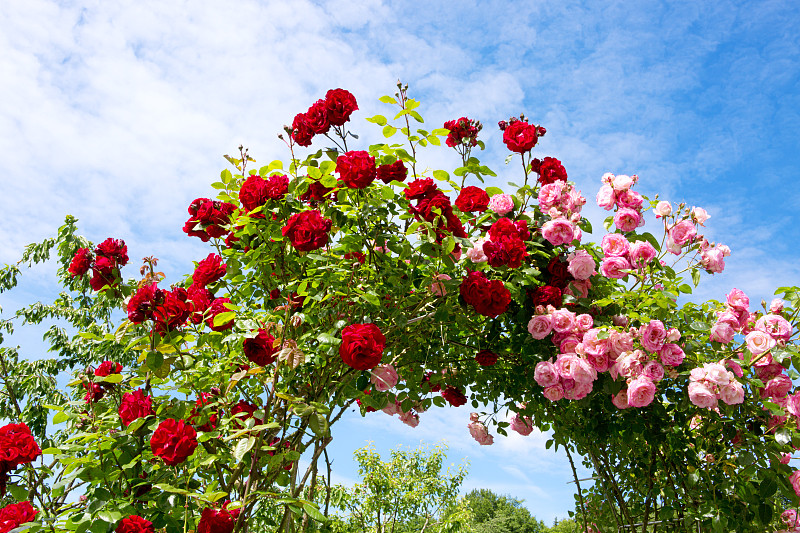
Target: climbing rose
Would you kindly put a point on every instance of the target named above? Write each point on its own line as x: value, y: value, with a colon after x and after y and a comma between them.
x: 472, y: 199
x: 134, y: 524
x: 454, y: 396
x: 339, y: 104
x: 17, y: 447
x: 209, y: 270
x: 549, y: 169
x: 16, y: 514
x: 479, y: 431
x: 174, y: 441
x: 501, y: 204
x: 260, y: 349
x: 462, y: 131
x: 356, y: 169
x: 81, y: 262
x: 641, y: 391
x: 519, y: 136
x: 307, y: 230
x: 384, y: 377
x: 108, y: 367
x: 396, y: 171
x: 362, y: 346
x: 217, y: 520
x: 486, y: 358
x: 135, y: 405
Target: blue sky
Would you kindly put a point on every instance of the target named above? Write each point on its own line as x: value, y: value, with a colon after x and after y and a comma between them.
x: 119, y: 112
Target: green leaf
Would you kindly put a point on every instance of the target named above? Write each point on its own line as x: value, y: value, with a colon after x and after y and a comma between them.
x: 242, y: 447
x: 60, y: 417
x: 416, y: 116
x: 388, y: 131
x: 387, y: 100
x: 224, y: 318
x: 491, y: 191
x: 441, y: 175
x: 169, y: 488
x: 19, y: 493
x: 695, y: 276
x: 768, y: 487
x: 313, y: 512
x: 112, y: 378
x: 380, y: 120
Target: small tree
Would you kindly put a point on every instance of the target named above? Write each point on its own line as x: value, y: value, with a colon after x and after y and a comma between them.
x: 408, y: 493
x: 492, y: 513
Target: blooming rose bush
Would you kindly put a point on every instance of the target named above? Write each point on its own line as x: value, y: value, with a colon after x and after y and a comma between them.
x: 336, y: 273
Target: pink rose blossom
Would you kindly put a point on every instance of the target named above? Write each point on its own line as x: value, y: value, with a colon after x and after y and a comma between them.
x: 654, y: 371
x: 558, y: 231
x: 619, y: 342
x: 552, y: 195
x: 793, y: 404
x: 717, y: 374
x: 777, y: 387
x: 605, y: 197
x: 673, y: 335
x: 410, y: 419
x: 546, y: 374
x: 794, y: 479
x: 732, y: 393
x: 615, y: 267
x: 476, y: 254
x: 540, y: 326
x: 663, y: 209
x: 734, y: 367
x: 628, y: 365
x: 615, y: 244
x: 563, y: 320
x: 501, y: 203
x: 641, y: 253
x: 627, y: 219
x: 620, y: 400
x: 776, y: 306
x: 521, y: 424
x: 700, y: 215
x: 759, y: 342
x: 584, y: 322
x: 578, y: 391
x: 671, y: 354
x: 594, y: 345
x: 578, y: 288
x: 712, y: 260
x: 581, y: 264
x: 641, y: 391
x: 630, y: 199
x: 775, y: 325
x: 701, y: 395
x: 392, y: 408
x: 554, y: 393
x: 621, y: 182
x: 568, y: 344
x: 437, y: 287
x: 384, y: 377
x: 478, y: 431
x: 683, y: 232
x: 722, y: 332
x: 653, y: 336
x: 576, y: 368
x: 738, y: 300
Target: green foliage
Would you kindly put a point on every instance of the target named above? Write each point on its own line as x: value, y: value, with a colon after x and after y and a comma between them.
x: 492, y: 513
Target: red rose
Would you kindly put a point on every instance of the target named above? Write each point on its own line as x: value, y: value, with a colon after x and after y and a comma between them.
x: 559, y: 273
x: 115, y: 250
x: 199, y: 300
x: 17, y: 447
x: 396, y: 171
x: 16, y: 514
x: 107, y: 368
x: 135, y: 405
x: 217, y: 307
x: 103, y: 273
x: 472, y: 199
x: 496, y: 300
x: 362, y: 346
x: 173, y: 441
x: 301, y: 130
x: 253, y: 192
x: 172, y: 312
x: 209, y: 270
x: 356, y: 169
x: 248, y: 409
x: 549, y: 169
x: 317, y: 118
x: 207, y: 218
x: 81, y: 263
x: 217, y: 520
x: 199, y: 404
x: 94, y: 392
x: 462, y: 131
x: 473, y: 287
x: 340, y: 104
x: 307, y: 230
x: 507, y: 250
x: 520, y: 136
x: 135, y: 524
x: 507, y: 227
x: 546, y: 295
x: 316, y: 192
x: 260, y: 349
x: 143, y: 303
x: 486, y: 358
x: 277, y: 186
x: 355, y: 256
x: 454, y: 396
x: 421, y: 188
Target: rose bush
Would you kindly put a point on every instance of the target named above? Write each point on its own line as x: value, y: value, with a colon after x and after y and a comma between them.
x: 326, y: 285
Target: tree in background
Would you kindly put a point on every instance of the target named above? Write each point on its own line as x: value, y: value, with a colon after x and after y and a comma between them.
x: 408, y: 493
x: 492, y: 513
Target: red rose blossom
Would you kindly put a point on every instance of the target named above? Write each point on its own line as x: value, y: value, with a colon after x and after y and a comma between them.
x: 135, y: 524
x: 362, y: 346
x: 546, y: 295
x: 549, y: 169
x: 207, y: 218
x: 143, y: 303
x: 507, y: 227
x: 217, y: 307
x: 340, y: 104
x: 260, y: 349
x: 174, y: 441
x: 421, y: 188
x: 94, y: 392
x: 103, y: 273
x: 301, y: 130
x: 107, y: 368
x: 209, y: 270
x: 115, y: 250
x: 277, y: 186
x: 519, y: 136
x: 488, y: 298
x: 15, y: 514
x: 135, y: 405
x: 81, y: 262
x: 307, y: 230
x: 172, y: 312
x: 462, y: 131
x: 17, y: 447
x: 472, y: 200
x: 486, y: 358
x: 253, y: 192
x: 506, y: 251
x: 199, y: 300
x: 316, y: 192
x: 454, y: 396
x: 244, y: 410
x: 396, y: 171
x: 317, y: 118
x: 217, y: 520
x: 356, y: 169
x: 199, y: 406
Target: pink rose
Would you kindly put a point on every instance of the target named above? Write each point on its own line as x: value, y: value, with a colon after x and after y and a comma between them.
x: 554, y: 393
x: 620, y: 341
x: 437, y: 287
x: 663, y: 209
x: 759, y: 342
x: 614, y: 244
x: 620, y: 399
x: 794, y: 479
x: 540, y: 326
x: 392, y: 408
x: 628, y: 365
x: 501, y: 203
x: 701, y: 396
x: 476, y: 253
x: 653, y: 336
x: 546, y: 374
x: 700, y: 215
x: 584, y: 322
x: 713, y: 260
x: 732, y: 393
x: 738, y: 300
x: 642, y: 252
x: 558, y: 231
x: 654, y: 371
x: 581, y: 264
x: 578, y: 390
x: 479, y: 432
x: 641, y: 392
x: 777, y: 387
x: 615, y: 267
x: 671, y: 354
x: 622, y: 182
x: 627, y: 219
x: 605, y: 197
x: 563, y: 320
x: 722, y: 332
x: 682, y: 232
x: 775, y: 325
x: 384, y: 377
x: 521, y: 424
x: 776, y: 306
x: 410, y: 419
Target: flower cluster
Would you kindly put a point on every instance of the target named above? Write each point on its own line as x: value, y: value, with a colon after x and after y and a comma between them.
x: 208, y: 219
x: 135, y: 405
x: 463, y: 131
x: 479, y: 431
x: 256, y: 191
x: 622, y: 256
x: 108, y: 257
x: 362, y: 346
x: 174, y: 441
x: 434, y: 207
x: 488, y: 298
x: 519, y: 136
x: 220, y: 520
x: 409, y: 418
x: 616, y: 192
x: 549, y: 169
x: 334, y: 110
x: 713, y: 382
